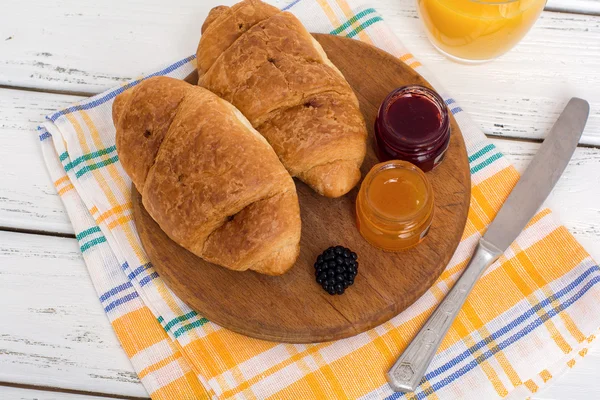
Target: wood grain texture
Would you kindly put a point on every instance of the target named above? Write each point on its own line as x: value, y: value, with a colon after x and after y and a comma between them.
x: 54, y: 332
x: 518, y: 95
x: 579, y: 383
x: 590, y: 7
x: 293, y: 307
x: 70, y: 61
x: 569, y: 200
x: 28, y: 200
x: 15, y: 393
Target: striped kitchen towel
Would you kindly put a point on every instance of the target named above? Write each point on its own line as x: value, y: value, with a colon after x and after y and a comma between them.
x: 532, y: 315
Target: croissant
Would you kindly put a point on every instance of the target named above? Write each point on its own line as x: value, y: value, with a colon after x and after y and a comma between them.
x: 265, y: 63
x: 212, y: 183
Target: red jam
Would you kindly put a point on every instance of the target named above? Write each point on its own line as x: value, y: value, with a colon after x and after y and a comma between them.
x: 413, y: 125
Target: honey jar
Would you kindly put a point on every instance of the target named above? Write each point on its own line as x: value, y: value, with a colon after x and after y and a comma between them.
x: 395, y: 205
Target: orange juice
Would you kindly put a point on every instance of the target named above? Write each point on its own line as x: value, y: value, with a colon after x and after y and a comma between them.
x: 478, y: 30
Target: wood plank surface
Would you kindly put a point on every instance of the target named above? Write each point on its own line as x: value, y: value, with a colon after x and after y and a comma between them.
x: 89, y: 47
x: 15, y: 393
x: 591, y: 7
x: 28, y: 199
x: 570, y: 200
x: 580, y: 383
x: 54, y: 331
x: 519, y: 95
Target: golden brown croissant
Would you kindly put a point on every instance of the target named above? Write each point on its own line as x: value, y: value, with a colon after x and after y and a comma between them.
x: 211, y: 182
x: 265, y: 63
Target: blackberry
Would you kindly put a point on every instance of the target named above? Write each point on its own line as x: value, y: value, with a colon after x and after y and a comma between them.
x: 336, y: 269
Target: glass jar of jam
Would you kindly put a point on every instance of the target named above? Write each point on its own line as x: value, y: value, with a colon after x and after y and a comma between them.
x: 394, y: 207
x: 413, y: 125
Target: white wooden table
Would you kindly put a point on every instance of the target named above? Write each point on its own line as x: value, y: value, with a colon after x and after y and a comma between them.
x: 55, y: 341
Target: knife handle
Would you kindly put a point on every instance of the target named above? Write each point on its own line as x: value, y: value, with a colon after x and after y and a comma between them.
x: 407, y: 372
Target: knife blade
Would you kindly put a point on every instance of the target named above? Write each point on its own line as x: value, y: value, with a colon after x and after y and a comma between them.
x: 540, y: 177
x: 521, y: 205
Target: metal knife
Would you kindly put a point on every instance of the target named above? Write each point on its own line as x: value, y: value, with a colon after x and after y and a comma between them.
x: 523, y: 202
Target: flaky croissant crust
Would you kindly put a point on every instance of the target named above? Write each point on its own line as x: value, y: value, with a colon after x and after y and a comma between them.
x: 265, y: 63
x: 212, y: 183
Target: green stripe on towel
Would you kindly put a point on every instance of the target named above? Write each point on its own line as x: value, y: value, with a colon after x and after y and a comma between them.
x: 88, y: 156
x: 363, y: 26
x: 92, y: 243
x: 181, y: 318
x: 351, y: 21
x: 185, y: 328
x: 87, y: 232
x: 92, y: 167
x: 487, y: 162
x: 481, y: 152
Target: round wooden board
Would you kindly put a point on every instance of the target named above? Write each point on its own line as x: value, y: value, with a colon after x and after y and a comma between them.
x: 293, y: 307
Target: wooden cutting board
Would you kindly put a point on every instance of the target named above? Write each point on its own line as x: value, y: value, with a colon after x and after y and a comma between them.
x: 293, y: 307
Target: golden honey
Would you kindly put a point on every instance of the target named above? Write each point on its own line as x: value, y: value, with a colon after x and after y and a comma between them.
x: 394, y: 207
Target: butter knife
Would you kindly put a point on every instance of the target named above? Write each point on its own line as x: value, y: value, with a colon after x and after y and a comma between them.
x: 523, y: 202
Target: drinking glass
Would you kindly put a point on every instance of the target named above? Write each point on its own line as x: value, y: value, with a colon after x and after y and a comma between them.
x: 475, y: 31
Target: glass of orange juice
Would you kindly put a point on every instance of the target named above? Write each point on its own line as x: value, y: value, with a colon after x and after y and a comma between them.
x: 475, y: 31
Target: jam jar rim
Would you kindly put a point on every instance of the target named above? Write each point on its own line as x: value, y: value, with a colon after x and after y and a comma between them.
x: 428, y: 204
x: 414, y: 148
